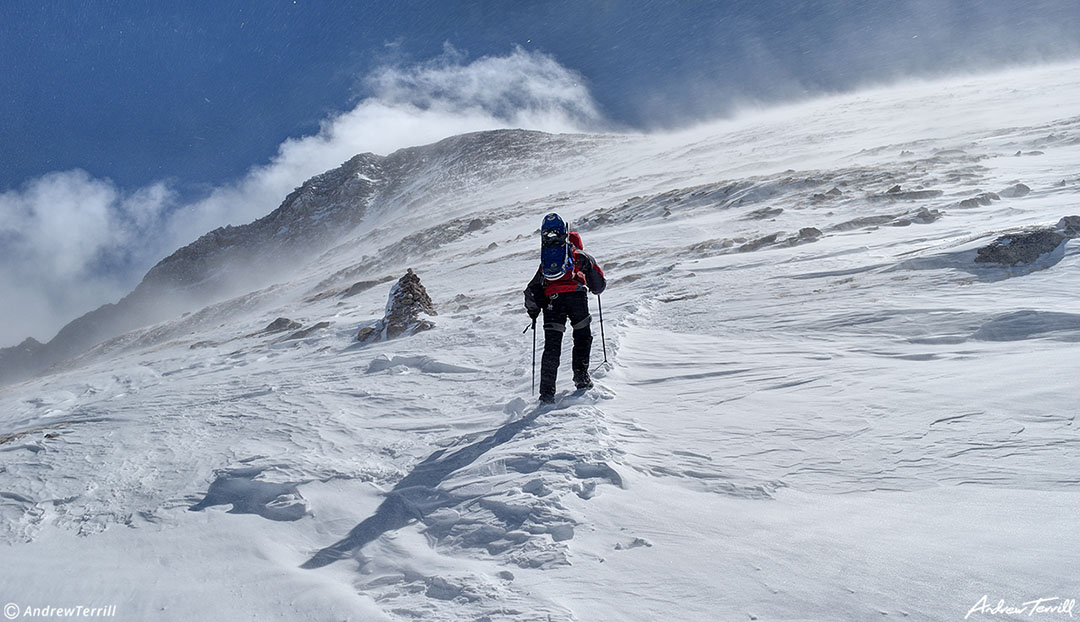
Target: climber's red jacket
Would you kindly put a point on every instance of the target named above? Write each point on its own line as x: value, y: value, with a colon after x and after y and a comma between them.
x: 586, y: 275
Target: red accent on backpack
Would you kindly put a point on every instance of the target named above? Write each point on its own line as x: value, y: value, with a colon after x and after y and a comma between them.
x: 568, y: 282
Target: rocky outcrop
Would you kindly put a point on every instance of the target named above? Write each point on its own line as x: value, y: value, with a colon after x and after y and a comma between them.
x: 300, y: 334
x: 806, y: 234
x: 896, y: 193
x: 921, y: 216
x: 1020, y: 248
x: 408, y: 300
x: 825, y: 196
x: 1069, y: 225
x: 982, y: 199
x: 282, y: 324
x: 361, y: 286
x: 763, y: 213
x: 1025, y: 247
x: 1015, y: 191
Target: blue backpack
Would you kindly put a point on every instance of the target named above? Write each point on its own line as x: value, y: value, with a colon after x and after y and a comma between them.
x: 556, y: 252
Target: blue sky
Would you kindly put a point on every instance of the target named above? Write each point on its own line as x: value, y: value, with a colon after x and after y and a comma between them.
x: 199, y: 91
x: 120, y: 117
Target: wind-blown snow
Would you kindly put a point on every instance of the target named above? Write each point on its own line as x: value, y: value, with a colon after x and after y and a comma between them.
x: 816, y: 405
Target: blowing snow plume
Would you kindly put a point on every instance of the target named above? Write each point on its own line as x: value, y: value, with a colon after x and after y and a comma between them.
x: 72, y: 242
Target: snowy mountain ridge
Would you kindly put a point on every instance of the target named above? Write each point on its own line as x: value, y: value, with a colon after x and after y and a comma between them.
x: 817, y: 404
x: 323, y: 210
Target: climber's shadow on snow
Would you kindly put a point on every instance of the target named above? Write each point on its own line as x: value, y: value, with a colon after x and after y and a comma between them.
x: 417, y: 493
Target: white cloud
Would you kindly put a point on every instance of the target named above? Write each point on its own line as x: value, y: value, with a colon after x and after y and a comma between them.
x: 411, y: 105
x: 69, y: 242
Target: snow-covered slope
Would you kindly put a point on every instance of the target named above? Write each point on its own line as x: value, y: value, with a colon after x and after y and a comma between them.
x: 816, y: 405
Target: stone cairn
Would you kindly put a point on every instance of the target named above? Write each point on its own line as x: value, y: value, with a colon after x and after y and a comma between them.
x: 408, y: 299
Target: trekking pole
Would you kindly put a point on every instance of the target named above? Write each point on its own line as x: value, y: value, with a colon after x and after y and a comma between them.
x: 534, y: 356
x: 603, y: 341
x: 533, y: 327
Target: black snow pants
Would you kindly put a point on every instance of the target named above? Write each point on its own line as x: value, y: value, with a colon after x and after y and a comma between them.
x: 575, y: 307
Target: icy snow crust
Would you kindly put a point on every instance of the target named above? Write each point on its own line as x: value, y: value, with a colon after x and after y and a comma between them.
x: 817, y: 406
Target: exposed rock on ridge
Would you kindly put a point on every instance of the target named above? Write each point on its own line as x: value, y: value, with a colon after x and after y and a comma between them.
x: 1024, y: 247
